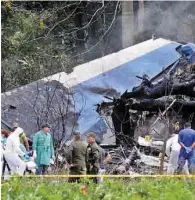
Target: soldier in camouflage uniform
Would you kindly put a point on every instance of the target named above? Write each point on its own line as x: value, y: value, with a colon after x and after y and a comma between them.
x: 93, y: 156
x: 77, y: 157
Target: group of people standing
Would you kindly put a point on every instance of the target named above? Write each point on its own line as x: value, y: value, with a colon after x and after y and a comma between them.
x: 181, y: 148
x: 83, y: 157
x: 86, y: 158
x: 16, y: 151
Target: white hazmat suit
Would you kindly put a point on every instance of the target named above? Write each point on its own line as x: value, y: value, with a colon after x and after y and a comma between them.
x: 172, y: 151
x: 13, y: 151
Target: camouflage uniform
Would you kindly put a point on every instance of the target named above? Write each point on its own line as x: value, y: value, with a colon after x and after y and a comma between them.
x: 77, y: 158
x: 93, y: 158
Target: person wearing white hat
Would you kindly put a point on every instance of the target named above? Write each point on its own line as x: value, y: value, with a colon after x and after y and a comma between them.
x: 13, y: 152
x: 172, y: 151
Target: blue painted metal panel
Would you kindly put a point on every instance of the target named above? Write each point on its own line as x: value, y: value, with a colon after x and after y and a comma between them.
x: 116, y: 81
x: 87, y: 95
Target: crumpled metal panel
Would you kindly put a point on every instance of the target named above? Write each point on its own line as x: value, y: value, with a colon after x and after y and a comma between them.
x: 81, y: 114
x: 113, y: 83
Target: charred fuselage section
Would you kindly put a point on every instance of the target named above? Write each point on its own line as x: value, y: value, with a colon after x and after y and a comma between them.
x: 156, y: 104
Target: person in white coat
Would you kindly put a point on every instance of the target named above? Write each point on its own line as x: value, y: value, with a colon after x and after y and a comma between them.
x: 172, y: 151
x: 13, y: 152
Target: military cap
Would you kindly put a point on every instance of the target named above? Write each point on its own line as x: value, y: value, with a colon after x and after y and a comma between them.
x: 91, y: 135
x: 76, y: 133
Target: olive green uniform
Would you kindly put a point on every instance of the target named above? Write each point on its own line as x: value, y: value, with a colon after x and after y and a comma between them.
x: 92, y: 159
x: 77, y: 158
x: 24, y: 141
x: 23, y: 138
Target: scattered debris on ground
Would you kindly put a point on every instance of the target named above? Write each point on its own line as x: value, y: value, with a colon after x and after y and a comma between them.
x: 151, y: 110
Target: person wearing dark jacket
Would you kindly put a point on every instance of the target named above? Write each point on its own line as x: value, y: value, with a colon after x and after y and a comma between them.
x: 104, y: 158
x: 77, y: 157
x: 93, y: 156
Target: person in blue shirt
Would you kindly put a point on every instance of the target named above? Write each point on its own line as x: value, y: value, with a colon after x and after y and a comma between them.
x: 187, y: 141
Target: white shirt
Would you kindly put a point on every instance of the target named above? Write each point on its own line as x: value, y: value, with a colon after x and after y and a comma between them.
x: 172, y: 144
x: 13, y: 142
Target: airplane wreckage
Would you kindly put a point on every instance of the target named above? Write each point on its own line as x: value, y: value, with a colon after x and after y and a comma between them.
x: 144, y: 118
x: 147, y: 116
x: 172, y: 92
x: 132, y: 125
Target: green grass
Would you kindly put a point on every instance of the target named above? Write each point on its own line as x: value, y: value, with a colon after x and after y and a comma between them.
x: 135, y: 189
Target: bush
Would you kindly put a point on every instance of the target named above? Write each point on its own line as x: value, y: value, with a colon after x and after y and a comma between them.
x: 140, y: 189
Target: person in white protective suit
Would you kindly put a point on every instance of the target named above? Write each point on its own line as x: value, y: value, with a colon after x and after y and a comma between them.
x: 172, y: 151
x: 13, y: 152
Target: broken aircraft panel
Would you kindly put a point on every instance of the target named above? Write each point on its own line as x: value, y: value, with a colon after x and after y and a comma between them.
x: 70, y: 103
x: 142, y: 111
